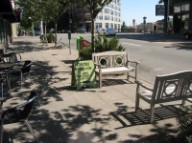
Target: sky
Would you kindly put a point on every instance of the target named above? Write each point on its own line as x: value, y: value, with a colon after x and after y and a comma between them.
x: 137, y: 9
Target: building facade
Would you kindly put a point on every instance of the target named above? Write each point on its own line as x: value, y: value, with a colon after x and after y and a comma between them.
x: 110, y: 16
x: 182, y: 15
x: 8, y: 15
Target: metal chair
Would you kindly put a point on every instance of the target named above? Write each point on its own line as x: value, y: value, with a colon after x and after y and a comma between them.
x: 22, y: 71
x: 18, y: 114
x: 3, y: 81
x: 13, y: 57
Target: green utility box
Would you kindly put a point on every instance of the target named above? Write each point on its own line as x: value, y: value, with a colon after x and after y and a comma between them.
x: 78, y: 42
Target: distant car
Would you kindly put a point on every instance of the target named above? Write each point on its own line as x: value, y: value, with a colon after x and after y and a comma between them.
x: 101, y: 31
x: 81, y: 30
x: 37, y: 32
x: 187, y: 34
x: 107, y: 32
x: 110, y: 32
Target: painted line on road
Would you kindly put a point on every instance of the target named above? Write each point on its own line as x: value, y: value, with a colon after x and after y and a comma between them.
x: 165, y: 43
x: 132, y: 44
x: 158, y: 69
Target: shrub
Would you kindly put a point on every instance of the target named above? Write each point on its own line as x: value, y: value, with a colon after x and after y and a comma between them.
x: 50, y: 38
x: 42, y: 38
x: 85, y: 53
x: 102, y: 43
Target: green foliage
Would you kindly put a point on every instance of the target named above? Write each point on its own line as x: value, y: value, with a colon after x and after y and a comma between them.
x: 125, y: 28
x: 102, y: 44
x: 50, y: 38
x: 85, y: 53
x: 25, y: 23
x: 43, y: 10
x: 94, y: 7
x: 189, y: 139
x: 43, y: 38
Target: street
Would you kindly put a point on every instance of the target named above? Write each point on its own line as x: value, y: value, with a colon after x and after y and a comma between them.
x: 157, y: 55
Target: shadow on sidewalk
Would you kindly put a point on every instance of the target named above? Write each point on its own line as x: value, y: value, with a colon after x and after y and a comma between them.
x: 142, y: 117
x: 57, y: 121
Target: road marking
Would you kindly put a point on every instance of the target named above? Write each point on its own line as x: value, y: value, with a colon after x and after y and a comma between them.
x: 158, y: 69
x: 166, y: 43
x: 132, y: 44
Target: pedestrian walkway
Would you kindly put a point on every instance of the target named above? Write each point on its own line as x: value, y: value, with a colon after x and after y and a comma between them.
x: 92, y: 115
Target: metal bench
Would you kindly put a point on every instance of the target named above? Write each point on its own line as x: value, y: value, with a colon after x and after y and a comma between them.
x: 113, y: 62
x: 166, y: 88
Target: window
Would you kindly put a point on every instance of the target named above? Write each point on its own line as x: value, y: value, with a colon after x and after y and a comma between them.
x: 106, y: 25
x: 177, y: 9
x: 98, y: 25
x: 185, y: 17
x: 181, y: 8
x: 106, y: 10
x: 111, y: 25
x: 185, y: 7
x: 100, y: 17
x: 106, y: 17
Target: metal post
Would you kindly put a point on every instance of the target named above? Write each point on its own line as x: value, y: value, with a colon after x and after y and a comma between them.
x: 167, y: 16
x: 144, y: 22
x: 69, y: 32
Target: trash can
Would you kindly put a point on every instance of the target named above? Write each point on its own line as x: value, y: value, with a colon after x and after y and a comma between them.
x: 78, y: 42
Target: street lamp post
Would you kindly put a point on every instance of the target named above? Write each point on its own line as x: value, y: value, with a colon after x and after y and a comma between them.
x: 69, y: 32
x: 144, y: 22
x: 167, y: 16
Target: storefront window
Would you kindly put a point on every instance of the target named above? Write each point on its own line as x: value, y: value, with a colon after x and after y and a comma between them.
x: 185, y: 7
x: 177, y: 9
x: 181, y: 8
x: 185, y: 17
x: 186, y: 25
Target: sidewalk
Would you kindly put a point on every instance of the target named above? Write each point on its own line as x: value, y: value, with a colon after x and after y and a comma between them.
x: 93, y: 115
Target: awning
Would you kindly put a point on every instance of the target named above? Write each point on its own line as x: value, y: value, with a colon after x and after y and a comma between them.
x: 7, y: 12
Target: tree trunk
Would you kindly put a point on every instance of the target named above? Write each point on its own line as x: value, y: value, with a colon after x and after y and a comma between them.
x: 55, y: 34
x: 46, y: 32
x: 92, y: 35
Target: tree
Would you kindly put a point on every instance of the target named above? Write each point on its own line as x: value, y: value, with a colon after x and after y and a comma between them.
x: 44, y: 10
x: 123, y: 27
x: 54, y: 10
x: 94, y: 7
x: 27, y: 13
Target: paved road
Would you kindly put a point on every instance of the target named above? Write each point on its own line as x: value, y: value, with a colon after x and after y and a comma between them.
x: 158, y: 54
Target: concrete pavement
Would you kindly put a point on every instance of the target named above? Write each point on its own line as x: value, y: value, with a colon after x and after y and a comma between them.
x: 92, y: 115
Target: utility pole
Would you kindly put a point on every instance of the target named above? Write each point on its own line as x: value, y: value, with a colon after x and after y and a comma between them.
x: 69, y: 32
x: 166, y: 16
x: 144, y: 22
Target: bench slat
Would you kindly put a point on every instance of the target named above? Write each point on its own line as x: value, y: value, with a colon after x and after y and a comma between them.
x: 167, y: 88
x: 113, y: 62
